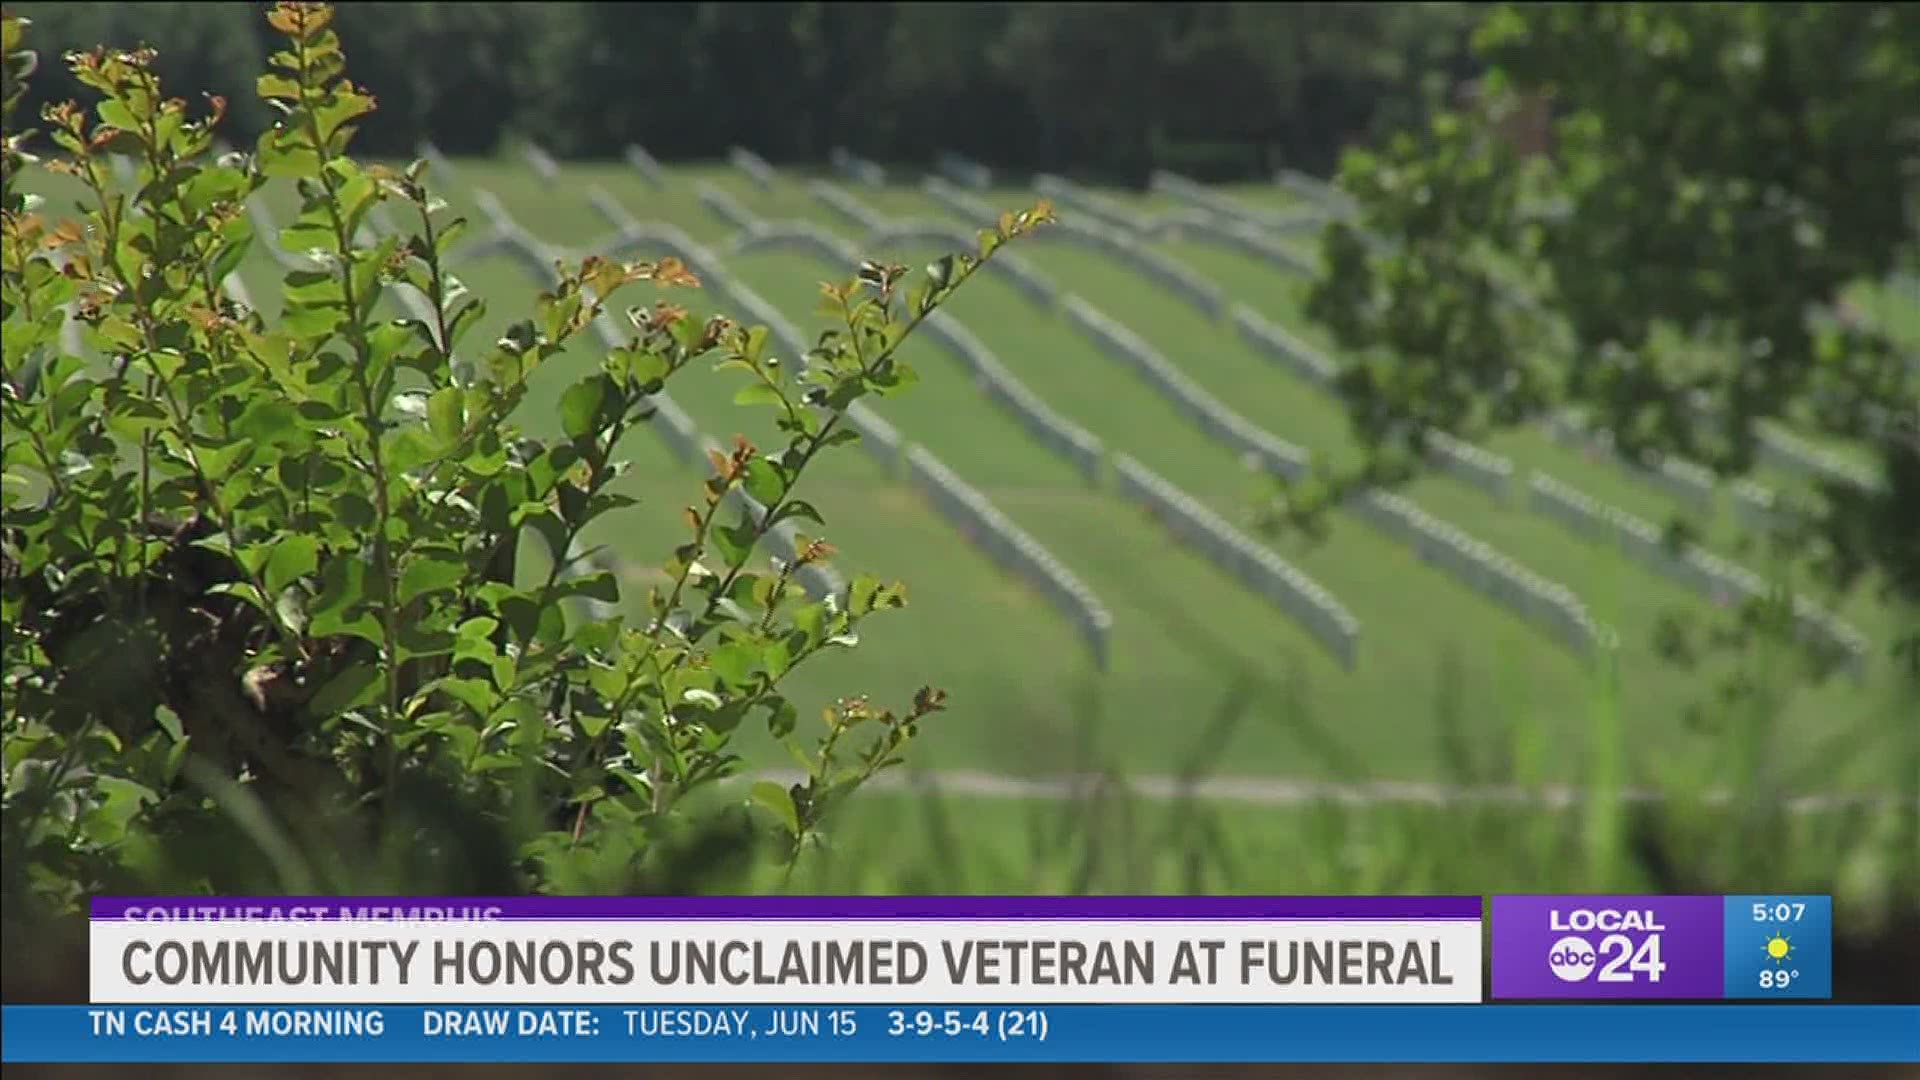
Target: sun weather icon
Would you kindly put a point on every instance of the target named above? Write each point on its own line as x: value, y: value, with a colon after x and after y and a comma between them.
x: 1778, y: 946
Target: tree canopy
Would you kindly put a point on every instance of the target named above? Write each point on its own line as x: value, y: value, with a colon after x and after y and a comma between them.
x: 1106, y: 88
x: 1679, y: 266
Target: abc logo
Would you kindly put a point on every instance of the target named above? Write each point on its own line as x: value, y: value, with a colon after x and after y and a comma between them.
x: 1572, y: 959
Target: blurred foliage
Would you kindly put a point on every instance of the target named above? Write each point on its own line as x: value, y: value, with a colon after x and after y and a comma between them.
x: 1110, y: 88
x: 265, y: 626
x: 1673, y: 267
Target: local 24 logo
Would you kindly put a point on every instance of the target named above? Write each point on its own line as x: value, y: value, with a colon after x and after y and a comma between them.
x: 1617, y: 958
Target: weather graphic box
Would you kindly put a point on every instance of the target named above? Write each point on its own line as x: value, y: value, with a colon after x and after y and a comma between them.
x: 1779, y: 947
x: 1662, y: 947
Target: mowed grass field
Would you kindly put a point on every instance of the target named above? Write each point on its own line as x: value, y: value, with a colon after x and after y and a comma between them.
x: 1439, y: 664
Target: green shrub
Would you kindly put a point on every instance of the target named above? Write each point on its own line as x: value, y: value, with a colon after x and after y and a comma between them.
x: 264, y: 625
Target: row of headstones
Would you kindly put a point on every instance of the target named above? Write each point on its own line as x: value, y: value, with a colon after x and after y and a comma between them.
x: 959, y: 170
x: 1757, y: 507
x: 843, y: 203
x: 1792, y: 452
x: 1185, y: 282
x: 1059, y: 434
x: 1262, y: 570
x: 724, y: 206
x: 1010, y: 546
x: 1724, y: 582
x: 856, y: 168
x: 880, y: 439
x: 965, y: 506
x: 1689, y: 483
x: 1187, y: 221
x: 1200, y: 195
x: 958, y: 201
x: 671, y: 422
x: 753, y: 165
x: 1090, y: 203
x: 541, y: 162
x: 1318, y: 192
x: 1247, y: 239
x: 1541, y: 602
x: 996, y: 381
x: 1548, y: 605
x: 1208, y: 412
x: 1008, y: 265
x: 1117, y: 242
x: 1209, y: 224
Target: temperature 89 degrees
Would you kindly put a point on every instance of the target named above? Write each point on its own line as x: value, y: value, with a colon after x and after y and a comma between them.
x: 1779, y: 947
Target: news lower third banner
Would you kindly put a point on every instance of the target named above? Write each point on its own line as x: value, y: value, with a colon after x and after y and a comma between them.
x: 1115, y: 979
x: 789, y: 950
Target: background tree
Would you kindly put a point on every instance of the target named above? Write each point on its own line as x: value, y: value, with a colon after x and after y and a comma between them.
x: 1109, y: 90
x: 1721, y: 175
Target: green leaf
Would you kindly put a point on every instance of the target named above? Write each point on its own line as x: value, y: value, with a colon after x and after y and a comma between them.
x: 799, y: 508
x: 765, y: 481
x: 782, y: 716
x: 446, y: 414
x: 108, y: 822
x: 600, y: 585
x: 940, y: 271
x: 351, y: 688
x: 811, y: 620
x: 427, y: 573
x: 219, y: 461
x: 293, y: 557
x: 408, y: 448
x: 245, y: 591
x: 735, y: 664
x: 779, y: 802
x: 758, y: 393
x: 735, y: 542
x: 580, y: 406
x: 267, y: 423
x: 169, y: 722
x: 353, y: 511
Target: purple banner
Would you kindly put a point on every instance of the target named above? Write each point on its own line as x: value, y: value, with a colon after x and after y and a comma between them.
x: 556, y: 908
x: 1590, y: 947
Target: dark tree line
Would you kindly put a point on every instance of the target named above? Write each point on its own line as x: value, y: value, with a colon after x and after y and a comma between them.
x: 1214, y: 89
